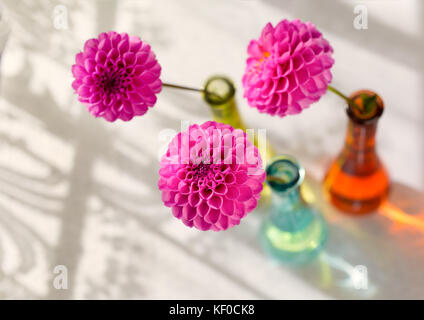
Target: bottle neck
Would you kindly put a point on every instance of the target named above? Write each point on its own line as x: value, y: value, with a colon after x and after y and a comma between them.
x: 227, y: 112
x: 288, y: 200
x: 360, y: 138
x: 219, y: 93
x: 288, y: 212
x: 359, y: 152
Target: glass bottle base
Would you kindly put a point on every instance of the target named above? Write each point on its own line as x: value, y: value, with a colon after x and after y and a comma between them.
x: 356, y: 206
x: 294, y: 247
x: 356, y: 194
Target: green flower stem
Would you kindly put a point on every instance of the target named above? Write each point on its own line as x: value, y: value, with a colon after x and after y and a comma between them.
x: 346, y: 98
x: 175, y: 86
x: 201, y: 90
x: 349, y: 101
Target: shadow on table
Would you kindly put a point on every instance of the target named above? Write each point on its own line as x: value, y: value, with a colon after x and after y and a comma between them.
x: 378, y: 256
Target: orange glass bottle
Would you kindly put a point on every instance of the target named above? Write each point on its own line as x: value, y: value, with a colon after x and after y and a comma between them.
x: 357, y: 181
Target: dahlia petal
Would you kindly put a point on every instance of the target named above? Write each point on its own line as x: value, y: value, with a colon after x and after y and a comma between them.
x: 129, y: 58
x: 127, y: 106
x: 88, y: 80
x: 241, y: 177
x: 203, y: 208
x: 177, y: 212
x: 215, y: 202
x: 254, y: 185
x: 115, y: 39
x: 227, y: 207
x: 140, y: 109
x: 91, y: 44
x: 156, y: 86
x: 230, y: 178
x: 141, y: 59
x: 251, y: 204
x: 253, y: 49
x: 297, y: 95
x: 310, y: 86
x: 182, y: 186
x: 89, y: 65
x: 96, y: 109
x: 168, y: 197
x: 105, y: 45
x: 213, y: 216
x: 327, y: 76
x: 76, y: 84
x: 234, y: 221
x: 113, y: 54
x: 110, y: 116
x: 151, y: 59
x: 148, y: 77
x: 173, y: 183
x: 100, y: 57
x: 220, y: 189
x: 316, y: 48
x: 315, y: 68
x: 95, y: 98
x: 156, y: 69
x: 135, y: 97
x: 206, y: 193
x: 78, y: 71
x: 189, y: 212
x: 239, y: 212
x: 308, y: 55
x: 123, y: 46
x: 294, y: 108
x: 233, y: 192
x: 298, y: 62
x: 282, y: 85
x: 201, y: 224
x: 84, y: 91
x: 79, y: 59
x: 222, y: 222
x: 162, y: 183
x: 267, y: 29
x: 126, y: 116
x: 194, y: 199
x: 245, y: 193
x: 135, y: 44
x: 188, y: 223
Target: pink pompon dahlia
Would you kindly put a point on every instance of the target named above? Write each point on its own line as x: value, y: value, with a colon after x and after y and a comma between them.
x: 117, y: 76
x: 288, y: 68
x: 211, y: 176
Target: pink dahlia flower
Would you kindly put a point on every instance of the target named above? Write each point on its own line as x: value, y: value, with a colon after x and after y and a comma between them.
x: 211, y: 176
x: 117, y: 76
x: 288, y: 68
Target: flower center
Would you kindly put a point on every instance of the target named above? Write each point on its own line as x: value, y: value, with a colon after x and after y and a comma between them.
x: 259, y: 65
x: 201, y: 170
x: 113, y: 82
x: 265, y: 55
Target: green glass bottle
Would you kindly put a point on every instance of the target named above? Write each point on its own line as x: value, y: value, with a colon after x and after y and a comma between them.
x: 219, y: 93
x: 294, y: 232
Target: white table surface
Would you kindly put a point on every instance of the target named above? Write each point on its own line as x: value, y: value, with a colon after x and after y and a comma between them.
x: 80, y: 192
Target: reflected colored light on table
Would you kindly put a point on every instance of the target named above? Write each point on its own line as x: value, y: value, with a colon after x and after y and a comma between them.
x: 399, y: 216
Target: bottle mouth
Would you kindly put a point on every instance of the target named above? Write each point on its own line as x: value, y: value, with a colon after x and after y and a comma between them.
x: 218, y: 90
x: 365, y: 115
x: 284, y: 173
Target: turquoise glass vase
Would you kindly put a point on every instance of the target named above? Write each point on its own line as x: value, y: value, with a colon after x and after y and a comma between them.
x: 294, y: 232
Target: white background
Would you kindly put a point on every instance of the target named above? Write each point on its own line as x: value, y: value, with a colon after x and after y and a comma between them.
x: 81, y: 192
